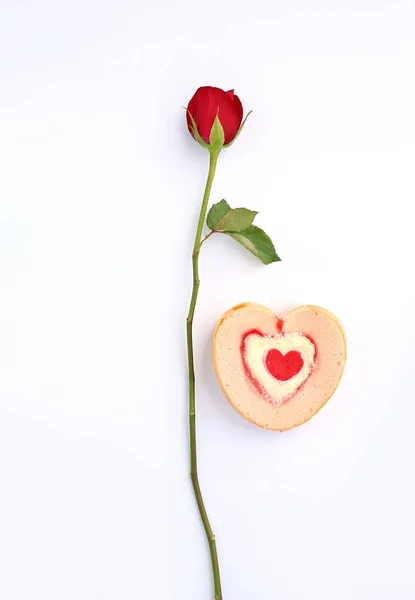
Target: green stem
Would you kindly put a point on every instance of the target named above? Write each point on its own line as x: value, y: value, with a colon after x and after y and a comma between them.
x: 207, y: 236
x: 192, y: 406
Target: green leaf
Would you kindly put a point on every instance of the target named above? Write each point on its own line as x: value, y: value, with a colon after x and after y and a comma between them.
x: 258, y: 242
x: 198, y: 137
x: 236, y: 220
x: 239, y: 131
x: 218, y: 210
x: 217, y: 135
x: 223, y: 218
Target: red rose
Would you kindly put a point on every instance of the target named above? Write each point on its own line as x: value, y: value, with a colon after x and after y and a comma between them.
x: 209, y: 103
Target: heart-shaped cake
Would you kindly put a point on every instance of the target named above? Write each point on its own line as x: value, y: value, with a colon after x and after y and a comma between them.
x: 278, y: 372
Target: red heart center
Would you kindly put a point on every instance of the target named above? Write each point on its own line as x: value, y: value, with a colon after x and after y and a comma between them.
x: 283, y: 366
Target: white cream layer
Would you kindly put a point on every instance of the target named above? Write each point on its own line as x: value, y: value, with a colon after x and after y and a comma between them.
x: 256, y: 349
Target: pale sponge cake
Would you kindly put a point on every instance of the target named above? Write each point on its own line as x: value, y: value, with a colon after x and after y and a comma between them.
x: 278, y: 372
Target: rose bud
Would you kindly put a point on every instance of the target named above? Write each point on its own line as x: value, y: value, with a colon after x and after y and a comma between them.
x: 214, y: 117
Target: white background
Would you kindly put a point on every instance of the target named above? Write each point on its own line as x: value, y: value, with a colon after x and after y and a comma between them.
x: 100, y: 186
